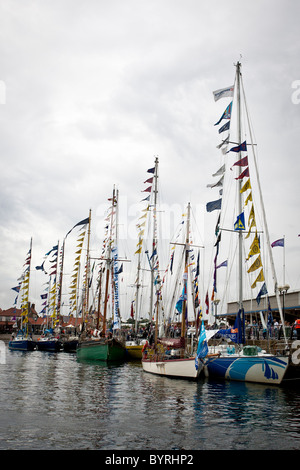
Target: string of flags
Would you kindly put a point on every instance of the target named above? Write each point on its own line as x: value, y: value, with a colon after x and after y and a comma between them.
x: 246, y: 189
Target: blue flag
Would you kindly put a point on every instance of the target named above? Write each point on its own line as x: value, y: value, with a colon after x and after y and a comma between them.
x: 240, y: 222
x: 225, y: 127
x: 226, y: 114
x: 213, y: 205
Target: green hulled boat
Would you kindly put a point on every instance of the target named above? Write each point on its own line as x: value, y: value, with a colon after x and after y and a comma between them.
x: 101, y: 349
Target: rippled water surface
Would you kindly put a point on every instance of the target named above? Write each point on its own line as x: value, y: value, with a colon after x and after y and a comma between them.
x: 52, y: 401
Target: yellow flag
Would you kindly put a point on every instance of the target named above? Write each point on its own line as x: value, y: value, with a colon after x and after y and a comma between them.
x: 249, y: 198
x: 260, y: 278
x: 246, y: 186
x: 254, y: 248
x: 253, y: 224
x: 257, y: 264
x: 251, y: 215
x: 138, y: 251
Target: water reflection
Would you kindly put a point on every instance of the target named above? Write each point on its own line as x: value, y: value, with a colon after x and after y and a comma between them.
x: 56, y: 402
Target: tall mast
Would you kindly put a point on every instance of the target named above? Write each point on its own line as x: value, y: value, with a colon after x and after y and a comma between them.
x: 59, y: 294
x: 187, y: 246
x: 87, y: 280
x: 108, y: 262
x: 154, y: 236
x: 267, y: 233
x: 240, y: 234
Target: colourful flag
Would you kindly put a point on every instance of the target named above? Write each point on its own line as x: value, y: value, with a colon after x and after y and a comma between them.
x: 239, y: 148
x: 202, y: 348
x: 226, y: 114
x: 279, y: 242
x: 240, y: 222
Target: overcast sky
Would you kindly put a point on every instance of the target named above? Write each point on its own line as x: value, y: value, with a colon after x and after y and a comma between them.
x: 92, y: 91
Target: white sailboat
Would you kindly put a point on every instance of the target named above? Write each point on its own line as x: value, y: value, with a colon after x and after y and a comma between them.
x: 170, y: 356
x: 245, y: 363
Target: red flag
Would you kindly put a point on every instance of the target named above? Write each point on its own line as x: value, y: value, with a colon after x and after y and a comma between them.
x: 243, y: 174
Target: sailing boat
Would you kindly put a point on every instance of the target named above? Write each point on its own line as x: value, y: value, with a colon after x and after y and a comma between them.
x: 22, y: 341
x: 104, y: 345
x: 49, y: 341
x: 135, y: 346
x: 244, y: 363
x: 178, y: 361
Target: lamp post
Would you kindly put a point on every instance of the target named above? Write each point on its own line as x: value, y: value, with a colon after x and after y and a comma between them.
x: 283, y: 290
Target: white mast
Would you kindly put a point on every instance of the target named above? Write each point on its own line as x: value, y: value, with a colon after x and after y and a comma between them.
x: 266, y: 229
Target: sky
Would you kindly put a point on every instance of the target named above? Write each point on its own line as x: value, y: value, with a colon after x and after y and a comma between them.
x: 91, y: 92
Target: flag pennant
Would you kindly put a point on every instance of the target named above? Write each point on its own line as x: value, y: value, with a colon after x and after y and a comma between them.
x: 226, y: 114
x: 257, y: 264
x: 239, y: 148
x: 279, y: 242
x: 254, y: 248
x: 260, y: 278
x: 225, y: 263
x: 82, y: 222
x: 225, y: 127
x: 202, y: 348
x: 214, y: 205
x: 240, y: 222
x: 246, y: 186
x: 151, y: 170
x: 241, y: 162
x: 243, y: 174
x: 223, y: 93
x: 148, y: 190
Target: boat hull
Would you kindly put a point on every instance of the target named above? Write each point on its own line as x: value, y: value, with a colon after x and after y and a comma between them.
x: 49, y: 345
x: 180, y: 368
x: 70, y: 346
x: 266, y: 369
x: 21, y: 345
x: 134, y: 351
x: 100, y: 350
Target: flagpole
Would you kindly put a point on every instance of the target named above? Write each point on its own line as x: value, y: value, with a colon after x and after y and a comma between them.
x: 284, y: 260
x: 266, y: 226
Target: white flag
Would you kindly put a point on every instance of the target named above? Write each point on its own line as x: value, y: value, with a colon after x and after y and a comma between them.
x: 223, y: 93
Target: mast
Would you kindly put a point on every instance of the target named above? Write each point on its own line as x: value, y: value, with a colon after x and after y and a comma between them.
x: 87, y: 280
x: 187, y: 245
x: 240, y: 234
x: 59, y: 294
x: 266, y: 230
x: 108, y: 262
x: 154, y: 236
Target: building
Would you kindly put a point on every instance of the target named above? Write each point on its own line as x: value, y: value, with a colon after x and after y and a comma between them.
x: 290, y: 304
x: 10, y: 320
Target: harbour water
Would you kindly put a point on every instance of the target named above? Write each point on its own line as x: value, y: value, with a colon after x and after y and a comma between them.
x: 50, y: 401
